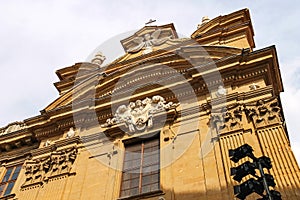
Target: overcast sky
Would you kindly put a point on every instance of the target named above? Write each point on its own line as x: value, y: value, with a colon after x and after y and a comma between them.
x: 39, y: 37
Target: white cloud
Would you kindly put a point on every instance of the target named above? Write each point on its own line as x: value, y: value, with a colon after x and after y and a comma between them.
x: 290, y: 101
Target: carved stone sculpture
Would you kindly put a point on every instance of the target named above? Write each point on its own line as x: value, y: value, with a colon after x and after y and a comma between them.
x: 71, y: 133
x: 47, y: 143
x: 13, y: 127
x: 38, y: 171
x: 221, y: 91
x: 264, y: 112
x: 98, y: 59
x: 228, y: 120
x: 139, y: 114
x: 147, y: 41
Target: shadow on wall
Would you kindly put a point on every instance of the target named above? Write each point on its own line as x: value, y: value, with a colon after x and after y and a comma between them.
x: 225, y: 194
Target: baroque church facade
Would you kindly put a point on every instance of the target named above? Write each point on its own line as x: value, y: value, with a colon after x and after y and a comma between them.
x: 156, y: 123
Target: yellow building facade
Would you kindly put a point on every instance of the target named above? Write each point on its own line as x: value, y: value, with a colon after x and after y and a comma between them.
x: 157, y: 122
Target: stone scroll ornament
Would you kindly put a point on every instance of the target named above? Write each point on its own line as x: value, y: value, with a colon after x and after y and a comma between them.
x: 147, y: 41
x: 139, y: 114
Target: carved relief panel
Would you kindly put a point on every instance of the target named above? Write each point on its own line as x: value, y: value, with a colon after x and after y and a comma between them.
x: 228, y: 119
x: 264, y: 113
x: 261, y: 113
x: 39, y: 170
x: 139, y: 115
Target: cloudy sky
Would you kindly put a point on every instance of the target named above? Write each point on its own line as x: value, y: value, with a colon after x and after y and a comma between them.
x: 39, y: 37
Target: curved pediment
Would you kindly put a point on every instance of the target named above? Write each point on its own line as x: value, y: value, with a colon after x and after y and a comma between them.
x: 144, y: 70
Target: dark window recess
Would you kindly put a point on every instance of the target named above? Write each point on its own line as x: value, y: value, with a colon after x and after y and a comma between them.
x: 141, y: 169
x: 9, y: 179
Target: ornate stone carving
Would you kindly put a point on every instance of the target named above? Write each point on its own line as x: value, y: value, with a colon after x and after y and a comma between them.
x: 264, y: 112
x: 138, y: 115
x: 221, y: 91
x: 70, y: 133
x: 47, y: 143
x: 35, y: 170
x: 254, y: 86
x: 98, y: 59
x: 147, y: 41
x: 62, y: 161
x: 12, y: 127
x: 38, y: 171
x: 228, y: 119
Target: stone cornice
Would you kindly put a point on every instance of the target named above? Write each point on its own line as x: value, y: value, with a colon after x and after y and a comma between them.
x: 245, y: 66
x: 241, y: 60
x: 204, y: 108
x: 225, y: 27
x: 235, y: 69
x: 63, y: 143
x: 16, y: 140
x: 51, y: 127
x: 159, y: 59
x: 17, y: 156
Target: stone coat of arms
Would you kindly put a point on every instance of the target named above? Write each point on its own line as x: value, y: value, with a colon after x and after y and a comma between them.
x: 139, y: 114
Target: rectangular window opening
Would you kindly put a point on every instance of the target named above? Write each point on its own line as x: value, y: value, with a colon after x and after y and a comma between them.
x: 141, y: 168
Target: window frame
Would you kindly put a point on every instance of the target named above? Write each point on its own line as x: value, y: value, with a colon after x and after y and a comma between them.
x: 142, y: 145
x: 8, y: 180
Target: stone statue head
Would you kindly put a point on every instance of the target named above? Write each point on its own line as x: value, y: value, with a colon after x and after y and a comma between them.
x: 121, y: 110
x: 147, y: 37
